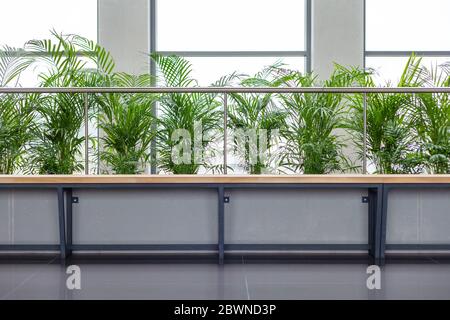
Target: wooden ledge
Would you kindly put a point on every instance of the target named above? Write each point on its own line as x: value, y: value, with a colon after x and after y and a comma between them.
x: 232, y: 179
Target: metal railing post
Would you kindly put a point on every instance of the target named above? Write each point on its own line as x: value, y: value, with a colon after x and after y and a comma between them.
x: 365, y: 133
x: 86, y: 134
x: 225, y: 133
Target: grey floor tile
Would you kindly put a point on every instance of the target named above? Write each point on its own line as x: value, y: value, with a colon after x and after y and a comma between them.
x: 232, y: 281
x: 16, y: 274
x: 305, y: 291
x: 142, y: 281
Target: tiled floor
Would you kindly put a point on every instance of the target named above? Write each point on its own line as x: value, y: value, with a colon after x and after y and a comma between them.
x: 426, y: 278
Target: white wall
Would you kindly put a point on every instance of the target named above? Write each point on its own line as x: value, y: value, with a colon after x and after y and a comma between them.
x: 123, y: 29
x: 337, y: 34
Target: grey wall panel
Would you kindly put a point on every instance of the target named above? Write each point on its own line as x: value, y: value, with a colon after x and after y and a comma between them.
x: 337, y: 35
x: 123, y: 29
x: 296, y: 216
x: 35, y: 217
x: 30, y: 217
x: 252, y: 216
x: 145, y: 217
x: 435, y: 216
x: 418, y: 216
x: 5, y: 217
x: 402, y: 217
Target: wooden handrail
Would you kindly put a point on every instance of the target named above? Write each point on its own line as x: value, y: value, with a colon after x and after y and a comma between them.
x: 233, y: 179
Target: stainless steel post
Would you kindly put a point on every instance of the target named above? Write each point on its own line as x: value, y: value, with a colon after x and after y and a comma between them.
x: 365, y: 133
x: 225, y: 132
x: 86, y: 134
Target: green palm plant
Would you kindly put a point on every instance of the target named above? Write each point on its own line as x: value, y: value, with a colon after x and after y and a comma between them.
x: 182, y: 117
x: 431, y: 121
x: 312, y: 144
x: 16, y: 112
x: 257, y: 117
x: 391, y: 147
x: 127, y: 123
x: 17, y: 117
x: 57, y: 147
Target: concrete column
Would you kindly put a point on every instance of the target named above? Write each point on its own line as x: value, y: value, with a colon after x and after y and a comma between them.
x: 337, y: 37
x: 123, y: 29
x: 337, y: 34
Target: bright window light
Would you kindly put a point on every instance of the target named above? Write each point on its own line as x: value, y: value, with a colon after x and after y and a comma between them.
x: 208, y: 70
x: 389, y: 69
x: 407, y: 25
x: 22, y: 20
x: 232, y: 25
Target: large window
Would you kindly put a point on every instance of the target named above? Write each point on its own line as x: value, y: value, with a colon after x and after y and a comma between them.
x: 23, y: 20
x: 220, y: 37
x: 395, y: 29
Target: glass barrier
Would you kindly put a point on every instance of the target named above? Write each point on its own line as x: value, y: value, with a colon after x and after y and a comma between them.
x: 224, y: 132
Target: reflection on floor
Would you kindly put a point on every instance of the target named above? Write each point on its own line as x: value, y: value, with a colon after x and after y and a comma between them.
x: 423, y: 278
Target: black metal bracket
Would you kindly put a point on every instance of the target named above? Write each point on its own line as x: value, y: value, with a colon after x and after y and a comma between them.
x: 62, y: 223
x: 221, y: 224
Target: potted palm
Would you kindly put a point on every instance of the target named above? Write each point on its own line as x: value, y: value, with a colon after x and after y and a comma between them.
x: 127, y: 124
x: 183, y: 118
x: 391, y: 146
x: 255, y: 121
x: 57, y: 145
x: 312, y: 144
x: 16, y: 113
x: 431, y: 120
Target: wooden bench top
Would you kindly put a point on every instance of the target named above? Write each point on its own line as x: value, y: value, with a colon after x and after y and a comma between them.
x: 233, y: 179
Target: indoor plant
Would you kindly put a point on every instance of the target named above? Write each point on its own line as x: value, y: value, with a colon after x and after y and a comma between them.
x: 391, y: 147
x: 16, y: 112
x: 255, y: 121
x: 57, y: 145
x: 127, y: 125
x: 312, y: 143
x: 183, y: 118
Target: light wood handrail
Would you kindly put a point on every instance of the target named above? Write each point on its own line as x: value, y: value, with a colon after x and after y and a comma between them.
x: 232, y: 179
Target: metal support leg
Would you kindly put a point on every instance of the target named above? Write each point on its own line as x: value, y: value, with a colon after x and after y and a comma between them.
x: 62, y: 223
x: 221, y: 231
x: 375, y: 216
x: 378, y: 221
x: 372, y: 219
x: 69, y: 221
x: 384, y: 208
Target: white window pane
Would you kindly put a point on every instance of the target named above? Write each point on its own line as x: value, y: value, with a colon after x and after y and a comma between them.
x: 398, y: 25
x: 29, y: 78
x: 389, y: 69
x: 208, y: 70
x: 231, y: 25
x: 23, y: 20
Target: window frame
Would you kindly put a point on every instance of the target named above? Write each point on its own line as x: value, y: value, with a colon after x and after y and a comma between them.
x: 306, y: 54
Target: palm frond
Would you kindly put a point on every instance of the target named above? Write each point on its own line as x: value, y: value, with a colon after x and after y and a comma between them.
x: 182, y: 112
x: 128, y: 125
x: 13, y: 62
